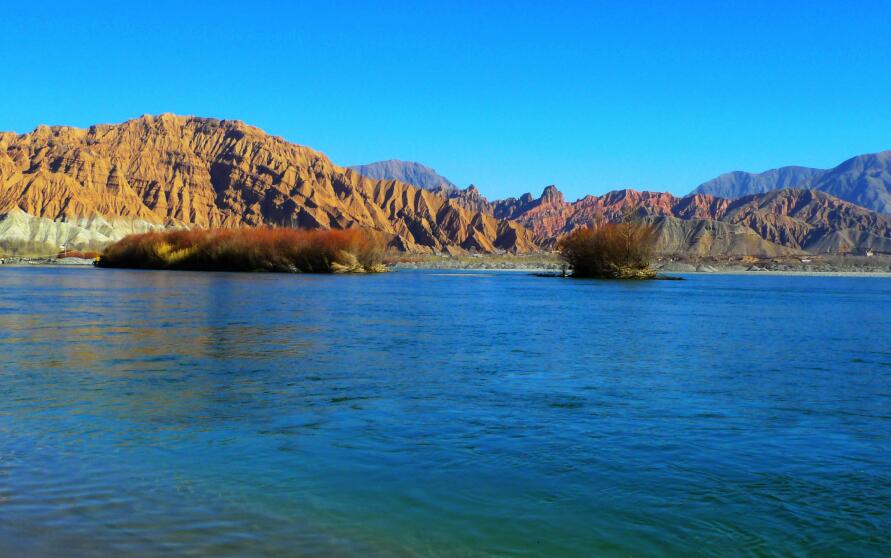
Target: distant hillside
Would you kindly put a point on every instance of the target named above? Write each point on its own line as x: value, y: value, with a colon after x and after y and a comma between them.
x: 738, y: 183
x: 409, y: 172
x: 864, y: 180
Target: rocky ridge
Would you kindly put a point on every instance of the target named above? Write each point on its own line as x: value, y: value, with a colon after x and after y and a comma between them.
x: 200, y: 172
x: 778, y: 222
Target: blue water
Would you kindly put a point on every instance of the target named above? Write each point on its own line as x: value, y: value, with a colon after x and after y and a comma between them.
x: 442, y: 414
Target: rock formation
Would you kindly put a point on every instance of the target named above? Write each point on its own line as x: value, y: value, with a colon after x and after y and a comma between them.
x: 200, y: 172
x: 770, y: 224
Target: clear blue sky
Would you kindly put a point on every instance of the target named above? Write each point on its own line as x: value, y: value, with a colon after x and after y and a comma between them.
x: 590, y: 96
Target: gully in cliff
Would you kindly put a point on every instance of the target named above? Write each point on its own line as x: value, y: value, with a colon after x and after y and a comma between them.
x: 245, y: 249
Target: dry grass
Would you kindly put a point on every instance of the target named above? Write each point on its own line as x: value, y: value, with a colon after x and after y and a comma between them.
x: 26, y: 248
x: 248, y: 249
x: 609, y: 250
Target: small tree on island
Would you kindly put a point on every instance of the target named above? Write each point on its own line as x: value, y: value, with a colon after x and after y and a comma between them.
x: 610, y: 250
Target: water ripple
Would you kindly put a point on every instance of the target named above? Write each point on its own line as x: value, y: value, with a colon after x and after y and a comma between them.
x: 414, y: 414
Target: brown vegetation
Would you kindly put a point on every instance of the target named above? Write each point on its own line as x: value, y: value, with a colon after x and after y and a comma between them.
x: 610, y: 250
x: 249, y: 249
x: 26, y: 248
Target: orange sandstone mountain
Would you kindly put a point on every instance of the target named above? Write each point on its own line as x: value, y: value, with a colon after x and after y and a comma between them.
x: 65, y: 185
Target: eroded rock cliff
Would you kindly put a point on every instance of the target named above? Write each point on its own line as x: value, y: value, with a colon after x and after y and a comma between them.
x: 200, y: 172
x: 778, y: 222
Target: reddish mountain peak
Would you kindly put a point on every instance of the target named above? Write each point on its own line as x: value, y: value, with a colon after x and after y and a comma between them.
x: 552, y: 195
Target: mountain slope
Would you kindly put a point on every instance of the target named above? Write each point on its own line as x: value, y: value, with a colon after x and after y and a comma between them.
x: 864, y: 180
x: 184, y: 171
x: 707, y: 237
x: 774, y: 223
x: 409, y: 172
x: 738, y: 183
x: 810, y: 220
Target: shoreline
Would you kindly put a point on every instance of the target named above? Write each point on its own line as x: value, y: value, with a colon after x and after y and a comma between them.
x: 667, y: 272
x: 765, y: 272
x: 533, y: 265
x: 781, y: 272
x: 822, y: 264
x: 47, y: 261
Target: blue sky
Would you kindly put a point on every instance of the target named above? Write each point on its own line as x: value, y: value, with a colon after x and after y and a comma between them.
x: 512, y: 96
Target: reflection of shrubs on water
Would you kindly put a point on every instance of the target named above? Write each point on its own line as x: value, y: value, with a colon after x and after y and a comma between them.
x: 247, y: 249
x: 610, y: 250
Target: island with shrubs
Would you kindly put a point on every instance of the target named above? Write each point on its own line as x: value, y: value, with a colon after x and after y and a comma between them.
x: 249, y: 249
x: 605, y: 250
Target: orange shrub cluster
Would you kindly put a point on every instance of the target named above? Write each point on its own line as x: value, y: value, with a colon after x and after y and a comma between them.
x: 248, y: 249
x: 609, y: 250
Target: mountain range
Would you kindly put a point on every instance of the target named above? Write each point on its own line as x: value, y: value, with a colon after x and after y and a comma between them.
x: 85, y: 187
x: 864, y: 180
x: 780, y: 222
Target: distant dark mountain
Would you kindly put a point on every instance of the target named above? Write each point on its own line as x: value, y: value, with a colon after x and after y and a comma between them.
x: 738, y: 183
x: 864, y: 180
x: 409, y: 172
